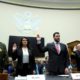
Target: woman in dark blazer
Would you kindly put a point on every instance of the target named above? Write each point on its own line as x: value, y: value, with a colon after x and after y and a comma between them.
x: 26, y: 61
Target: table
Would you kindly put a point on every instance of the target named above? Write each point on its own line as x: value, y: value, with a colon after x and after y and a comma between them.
x: 50, y: 77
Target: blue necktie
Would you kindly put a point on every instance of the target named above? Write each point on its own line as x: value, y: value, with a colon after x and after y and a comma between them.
x: 37, y: 70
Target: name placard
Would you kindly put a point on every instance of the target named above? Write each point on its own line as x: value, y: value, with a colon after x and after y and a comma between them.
x: 31, y: 77
x: 36, y: 77
x: 75, y: 76
x: 21, y: 78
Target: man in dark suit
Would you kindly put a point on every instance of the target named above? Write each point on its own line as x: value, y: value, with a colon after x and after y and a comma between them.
x: 3, y: 58
x: 58, y: 61
x: 77, y: 56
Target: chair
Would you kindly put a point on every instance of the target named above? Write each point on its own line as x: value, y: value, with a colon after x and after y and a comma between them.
x: 3, y: 76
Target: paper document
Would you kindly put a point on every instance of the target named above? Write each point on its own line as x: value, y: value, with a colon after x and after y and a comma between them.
x: 64, y: 75
x: 21, y: 78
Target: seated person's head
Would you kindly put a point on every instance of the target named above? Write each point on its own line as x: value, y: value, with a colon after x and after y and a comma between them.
x: 78, y: 47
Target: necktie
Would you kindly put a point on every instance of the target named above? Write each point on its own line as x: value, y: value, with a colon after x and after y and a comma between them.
x: 37, y: 70
x: 57, y: 48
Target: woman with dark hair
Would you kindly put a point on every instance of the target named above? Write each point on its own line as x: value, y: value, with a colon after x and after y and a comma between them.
x: 13, y: 49
x: 26, y: 61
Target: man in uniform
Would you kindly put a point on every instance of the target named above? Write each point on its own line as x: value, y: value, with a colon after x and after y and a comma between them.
x: 3, y: 58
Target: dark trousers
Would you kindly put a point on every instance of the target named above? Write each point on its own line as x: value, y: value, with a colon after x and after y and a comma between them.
x: 78, y: 66
x: 55, y: 73
x: 58, y: 72
x: 24, y: 70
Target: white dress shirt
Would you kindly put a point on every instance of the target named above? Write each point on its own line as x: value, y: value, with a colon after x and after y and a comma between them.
x: 25, y: 55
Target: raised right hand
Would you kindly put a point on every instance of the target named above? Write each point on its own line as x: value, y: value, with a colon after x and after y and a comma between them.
x: 38, y: 38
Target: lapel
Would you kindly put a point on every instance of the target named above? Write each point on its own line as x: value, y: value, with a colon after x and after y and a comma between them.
x: 60, y: 47
x: 53, y: 47
x: 29, y: 51
x: 21, y: 53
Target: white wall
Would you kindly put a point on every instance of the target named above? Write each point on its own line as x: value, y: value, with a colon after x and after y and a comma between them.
x: 67, y: 22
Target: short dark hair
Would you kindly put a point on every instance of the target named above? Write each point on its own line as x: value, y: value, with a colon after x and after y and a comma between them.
x: 55, y: 33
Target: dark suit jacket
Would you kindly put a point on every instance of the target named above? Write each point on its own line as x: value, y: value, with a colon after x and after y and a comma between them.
x: 57, y: 62
x: 77, y: 57
x: 3, y: 56
x: 19, y: 54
